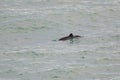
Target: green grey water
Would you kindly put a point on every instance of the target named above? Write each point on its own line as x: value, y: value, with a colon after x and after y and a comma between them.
x: 29, y: 30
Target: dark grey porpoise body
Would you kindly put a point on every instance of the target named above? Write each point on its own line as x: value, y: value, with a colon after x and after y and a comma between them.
x: 70, y: 37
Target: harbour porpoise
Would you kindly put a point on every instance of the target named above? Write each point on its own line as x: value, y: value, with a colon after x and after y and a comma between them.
x: 69, y: 37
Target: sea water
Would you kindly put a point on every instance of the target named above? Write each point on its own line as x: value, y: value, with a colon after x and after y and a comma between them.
x: 29, y: 46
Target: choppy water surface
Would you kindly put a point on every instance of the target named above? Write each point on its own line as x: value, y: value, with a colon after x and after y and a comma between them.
x: 29, y: 30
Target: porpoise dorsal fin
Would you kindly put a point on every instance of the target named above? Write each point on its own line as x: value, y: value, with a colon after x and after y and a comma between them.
x: 70, y: 35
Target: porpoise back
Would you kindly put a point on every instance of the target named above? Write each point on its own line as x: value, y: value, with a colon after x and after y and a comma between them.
x: 70, y: 37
